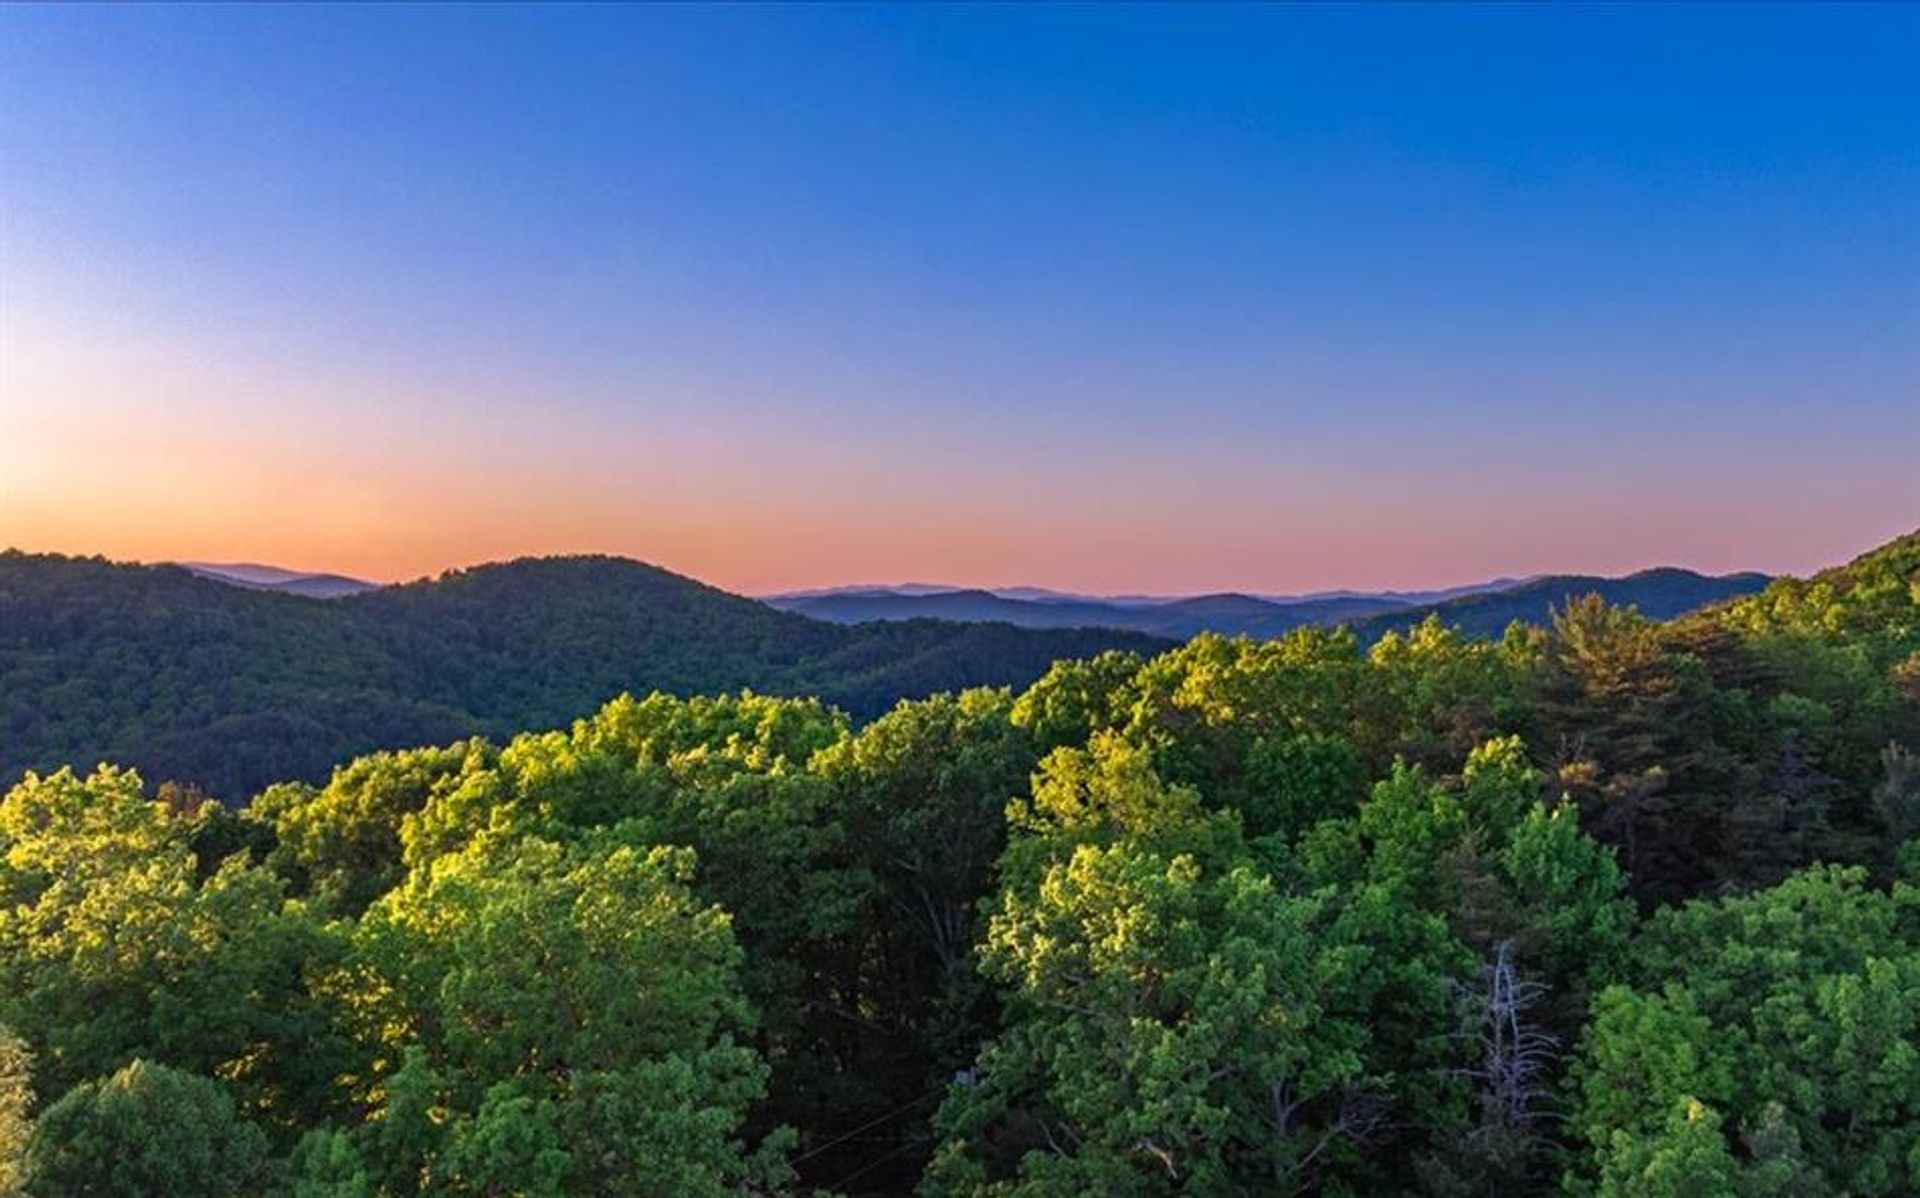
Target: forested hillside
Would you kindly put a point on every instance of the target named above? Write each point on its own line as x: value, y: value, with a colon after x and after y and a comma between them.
x: 1660, y: 594
x: 229, y: 688
x: 1618, y: 908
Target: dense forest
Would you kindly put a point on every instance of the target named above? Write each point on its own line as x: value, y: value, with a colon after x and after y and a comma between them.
x: 229, y: 689
x: 1621, y: 908
x: 185, y: 678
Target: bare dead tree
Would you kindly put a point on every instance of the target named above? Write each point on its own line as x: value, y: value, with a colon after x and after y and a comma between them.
x: 1514, y: 1076
x: 1512, y: 1073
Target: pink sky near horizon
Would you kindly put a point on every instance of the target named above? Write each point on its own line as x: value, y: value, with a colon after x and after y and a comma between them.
x: 171, y: 444
x: 774, y: 571
x: 175, y: 446
x: 155, y: 488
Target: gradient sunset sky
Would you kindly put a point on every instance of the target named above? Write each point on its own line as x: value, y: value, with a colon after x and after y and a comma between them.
x: 1142, y: 299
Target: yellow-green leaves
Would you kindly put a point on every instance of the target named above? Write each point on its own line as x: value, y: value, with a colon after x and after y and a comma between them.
x: 572, y: 1011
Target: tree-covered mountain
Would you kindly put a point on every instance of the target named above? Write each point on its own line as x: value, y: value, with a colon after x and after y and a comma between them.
x: 1659, y: 594
x: 1616, y: 907
x: 1481, y: 610
x: 233, y: 687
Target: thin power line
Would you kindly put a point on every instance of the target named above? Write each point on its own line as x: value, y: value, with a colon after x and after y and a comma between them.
x: 871, y: 1165
x: 817, y: 1149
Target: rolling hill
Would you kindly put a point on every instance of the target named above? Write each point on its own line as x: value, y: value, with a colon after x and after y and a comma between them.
x: 230, y: 687
x: 234, y: 682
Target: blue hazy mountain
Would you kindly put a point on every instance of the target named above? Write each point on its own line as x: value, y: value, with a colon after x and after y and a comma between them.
x: 256, y: 577
x: 1484, y: 608
x: 1659, y: 594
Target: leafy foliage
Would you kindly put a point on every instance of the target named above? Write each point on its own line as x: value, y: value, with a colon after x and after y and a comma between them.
x: 147, y: 1130
x: 114, y: 946
x: 16, y: 1107
x: 569, y: 1018
x: 1794, y: 1012
x: 1616, y: 908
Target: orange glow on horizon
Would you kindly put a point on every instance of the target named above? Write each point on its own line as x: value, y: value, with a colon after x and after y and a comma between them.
x: 189, y: 447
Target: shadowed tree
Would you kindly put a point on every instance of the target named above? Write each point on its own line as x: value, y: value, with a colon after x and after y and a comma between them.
x: 147, y: 1131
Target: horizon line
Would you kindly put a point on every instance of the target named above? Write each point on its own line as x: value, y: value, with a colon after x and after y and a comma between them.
x: 1497, y: 581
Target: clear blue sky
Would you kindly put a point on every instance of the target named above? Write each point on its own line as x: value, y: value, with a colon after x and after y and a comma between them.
x: 1133, y: 298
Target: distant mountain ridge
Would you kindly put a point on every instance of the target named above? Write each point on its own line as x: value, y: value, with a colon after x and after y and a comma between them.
x: 789, y: 599
x: 257, y: 577
x: 1660, y: 593
x: 1482, y: 609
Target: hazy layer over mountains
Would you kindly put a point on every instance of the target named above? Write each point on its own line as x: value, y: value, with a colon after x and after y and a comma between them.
x: 1484, y: 608
x: 273, y: 578
x: 1481, y: 608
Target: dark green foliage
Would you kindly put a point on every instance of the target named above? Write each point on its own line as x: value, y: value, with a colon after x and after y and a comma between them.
x: 1789, y: 1018
x: 230, y: 689
x: 16, y: 1109
x: 1439, y: 916
x: 145, y: 1132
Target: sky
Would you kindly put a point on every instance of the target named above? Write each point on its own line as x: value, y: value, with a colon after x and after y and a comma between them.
x: 1170, y: 299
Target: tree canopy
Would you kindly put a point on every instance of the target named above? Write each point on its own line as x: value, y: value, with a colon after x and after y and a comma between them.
x: 1619, y: 907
